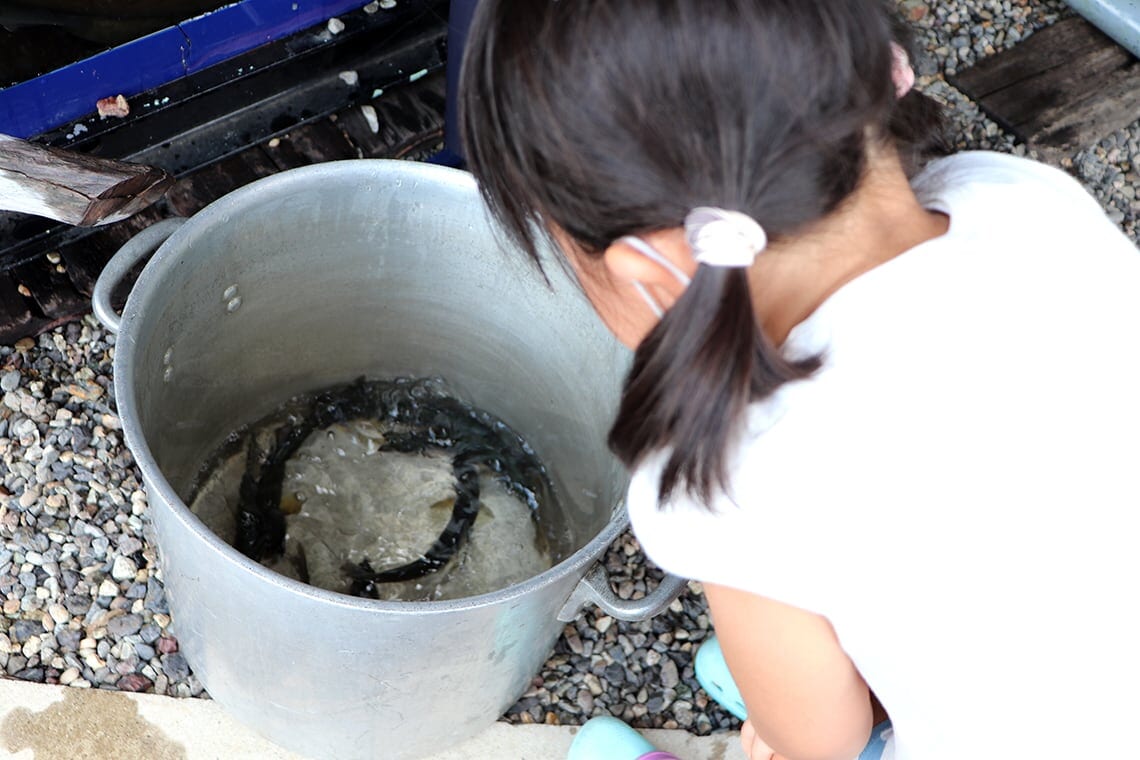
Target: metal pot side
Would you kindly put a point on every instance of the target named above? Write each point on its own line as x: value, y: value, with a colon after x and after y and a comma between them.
x: 316, y: 276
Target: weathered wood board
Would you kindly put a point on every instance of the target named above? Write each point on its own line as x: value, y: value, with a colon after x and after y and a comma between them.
x: 1066, y: 87
x: 74, y: 187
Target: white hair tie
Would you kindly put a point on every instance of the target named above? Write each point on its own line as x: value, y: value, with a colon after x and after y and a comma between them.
x: 723, y: 238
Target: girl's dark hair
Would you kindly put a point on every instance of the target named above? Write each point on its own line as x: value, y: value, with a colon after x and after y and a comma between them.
x: 604, y: 118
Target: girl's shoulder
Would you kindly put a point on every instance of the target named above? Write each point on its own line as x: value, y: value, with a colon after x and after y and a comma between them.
x: 982, y: 176
x: 989, y: 167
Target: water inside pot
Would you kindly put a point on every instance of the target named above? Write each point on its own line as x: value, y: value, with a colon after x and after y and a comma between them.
x: 393, y: 490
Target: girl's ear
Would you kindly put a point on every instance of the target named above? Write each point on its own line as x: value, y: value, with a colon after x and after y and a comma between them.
x: 626, y: 263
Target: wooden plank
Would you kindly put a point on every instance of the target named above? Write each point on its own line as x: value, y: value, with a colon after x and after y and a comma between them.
x: 1030, y: 58
x: 53, y: 293
x: 1025, y: 103
x: 1064, y: 88
x: 17, y: 318
x: 85, y: 258
x: 193, y: 193
x: 313, y: 143
x: 406, y: 120
x: 1063, y: 128
x: 72, y: 187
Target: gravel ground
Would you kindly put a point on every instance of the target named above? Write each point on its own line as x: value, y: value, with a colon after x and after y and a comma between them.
x: 956, y: 34
x: 82, y: 594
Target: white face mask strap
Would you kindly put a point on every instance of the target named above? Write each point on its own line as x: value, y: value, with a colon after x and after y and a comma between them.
x: 649, y: 252
x: 649, y: 300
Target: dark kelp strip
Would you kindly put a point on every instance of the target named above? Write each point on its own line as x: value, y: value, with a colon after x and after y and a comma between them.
x: 415, y: 416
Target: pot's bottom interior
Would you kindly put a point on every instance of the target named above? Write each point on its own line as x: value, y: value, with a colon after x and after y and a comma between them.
x: 391, y: 490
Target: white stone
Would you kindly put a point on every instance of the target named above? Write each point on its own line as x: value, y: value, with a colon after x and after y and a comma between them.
x: 124, y: 569
x: 371, y: 117
x: 32, y: 646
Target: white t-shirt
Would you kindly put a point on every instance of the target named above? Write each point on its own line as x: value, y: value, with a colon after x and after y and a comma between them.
x: 956, y: 489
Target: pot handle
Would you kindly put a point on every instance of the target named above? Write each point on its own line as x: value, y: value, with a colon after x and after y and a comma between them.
x: 595, y: 588
x: 133, y: 251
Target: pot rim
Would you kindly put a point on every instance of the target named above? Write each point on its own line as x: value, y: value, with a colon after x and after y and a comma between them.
x: 166, y: 257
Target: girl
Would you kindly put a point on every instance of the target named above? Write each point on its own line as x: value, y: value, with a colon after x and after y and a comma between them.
x: 891, y: 424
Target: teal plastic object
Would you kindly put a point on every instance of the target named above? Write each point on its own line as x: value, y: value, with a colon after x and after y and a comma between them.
x: 712, y: 673
x: 606, y: 738
x: 1119, y: 19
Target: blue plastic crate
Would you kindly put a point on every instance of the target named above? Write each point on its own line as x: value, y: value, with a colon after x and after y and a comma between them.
x: 61, y: 96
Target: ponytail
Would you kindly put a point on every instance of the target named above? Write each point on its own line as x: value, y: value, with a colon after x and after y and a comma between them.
x: 692, y: 380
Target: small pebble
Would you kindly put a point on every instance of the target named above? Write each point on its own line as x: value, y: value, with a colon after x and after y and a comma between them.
x: 134, y: 682
x: 175, y: 667
x: 124, y: 569
x: 22, y: 630
x: 124, y: 625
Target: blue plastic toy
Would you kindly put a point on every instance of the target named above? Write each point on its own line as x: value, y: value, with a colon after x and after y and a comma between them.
x: 714, y: 678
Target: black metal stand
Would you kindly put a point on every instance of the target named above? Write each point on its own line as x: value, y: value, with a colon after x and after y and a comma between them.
x: 458, y: 23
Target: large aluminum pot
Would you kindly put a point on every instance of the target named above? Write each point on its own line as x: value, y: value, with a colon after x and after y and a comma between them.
x: 313, y: 277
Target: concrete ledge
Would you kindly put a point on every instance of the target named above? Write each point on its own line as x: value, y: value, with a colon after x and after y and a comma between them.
x: 39, y: 722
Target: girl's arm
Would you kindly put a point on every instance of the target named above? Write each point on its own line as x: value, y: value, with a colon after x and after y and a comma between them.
x: 804, y: 696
